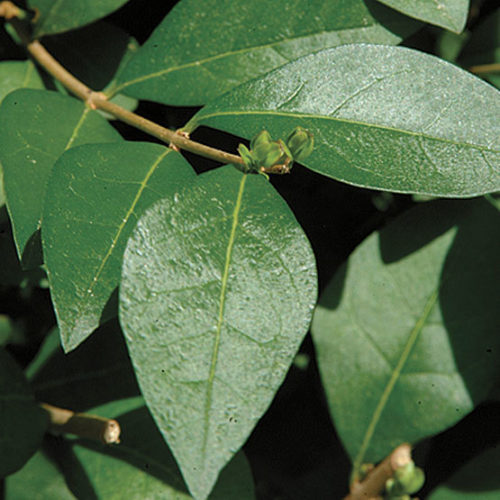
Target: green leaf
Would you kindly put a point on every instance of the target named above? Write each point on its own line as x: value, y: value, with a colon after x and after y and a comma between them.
x: 449, y: 14
x: 55, y: 16
x: 22, y: 421
x: 476, y: 480
x: 484, y: 48
x: 201, y: 50
x: 217, y: 291
x: 94, y: 198
x: 37, y: 127
x: 18, y: 74
x: 406, y: 334
x: 84, y: 377
x: 388, y: 118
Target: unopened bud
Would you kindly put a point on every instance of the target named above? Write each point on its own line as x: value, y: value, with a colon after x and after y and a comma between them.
x: 262, y: 137
x: 300, y: 143
x: 246, y: 156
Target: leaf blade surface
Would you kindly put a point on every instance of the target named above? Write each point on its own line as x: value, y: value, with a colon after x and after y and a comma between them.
x: 95, y: 195
x: 382, y: 117
x: 201, y: 51
x: 217, y: 344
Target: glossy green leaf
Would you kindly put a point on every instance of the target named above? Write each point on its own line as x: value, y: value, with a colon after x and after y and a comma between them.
x: 201, y: 50
x: 16, y: 75
x: 216, y: 295
x: 449, y: 14
x: 37, y: 127
x: 22, y: 421
x: 484, y: 48
x: 84, y: 377
x: 388, y: 118
x: 476, y: 480
x: 55, y: 16
x: 94, y: 198
x: 406, y: 334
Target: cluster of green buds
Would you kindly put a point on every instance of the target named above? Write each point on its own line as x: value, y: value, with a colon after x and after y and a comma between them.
x: 276, y: 157
x: 407, y: 480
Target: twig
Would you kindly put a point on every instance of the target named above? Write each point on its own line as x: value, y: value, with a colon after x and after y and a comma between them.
x: 98, y: 100
x: 373, y: 485
x: 9, y: 11
x: 485, y: 68
x: 64, y: 421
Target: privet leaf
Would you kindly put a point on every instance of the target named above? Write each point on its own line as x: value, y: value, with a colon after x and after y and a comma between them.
x: 201, y: 50
x: 22, y: 421
x: 388, y: 118
x: 94, y: 198
x: 37, y: 127
x: 449, y: 14
x: 478, y: 479
x: 406, y: 334
x: 55, y: 16
x: 217, y: 291
x: 18, y: 74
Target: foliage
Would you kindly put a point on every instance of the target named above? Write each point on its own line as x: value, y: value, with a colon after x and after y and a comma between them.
x: 181, y: 298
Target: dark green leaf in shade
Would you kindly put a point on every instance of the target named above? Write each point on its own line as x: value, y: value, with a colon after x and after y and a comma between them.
x: 449, y: 14
x: 37, y: 127
x: 389, y: 118
x: 476, y: 480
x: 406, y: 333
x: 16, y: 75
x: 141, y: 466
x: 55, y: 16
x: 99, y: 370
x: 201, y: 50
x: 22, y: 421
x: 217, y: 290
x: 484, y: 48
x: 94, y: 197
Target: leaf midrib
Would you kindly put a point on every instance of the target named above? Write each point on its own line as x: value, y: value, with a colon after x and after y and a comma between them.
x: 222, y: 303
x: 198, y: 121
x: 395, y: 375
x: 200, y: 62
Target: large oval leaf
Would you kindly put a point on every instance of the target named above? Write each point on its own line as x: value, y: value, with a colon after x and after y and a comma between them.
x: 94, y: 198
x: 217, y: 291
x: 450, y: 14
x: 55, y: 16
x: 388, y: 118
x: 22, y: 421
x: 407, y: 342
x: 201, y: 50
x: 37, y: 127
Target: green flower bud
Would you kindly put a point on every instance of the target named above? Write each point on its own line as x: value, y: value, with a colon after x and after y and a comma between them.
x: 246, y: 156
x: 300, y: 143
x: 262, y: 137
x: 406, y: 481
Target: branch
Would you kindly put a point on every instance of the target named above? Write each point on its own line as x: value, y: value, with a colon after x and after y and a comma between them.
x: 482, y: 69
x: 373, y: 485
x: 98, y: 100
x: 82, y: 424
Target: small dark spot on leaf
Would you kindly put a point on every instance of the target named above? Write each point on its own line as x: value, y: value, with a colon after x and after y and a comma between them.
x: 489, y: 350
x: 419, y: 402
